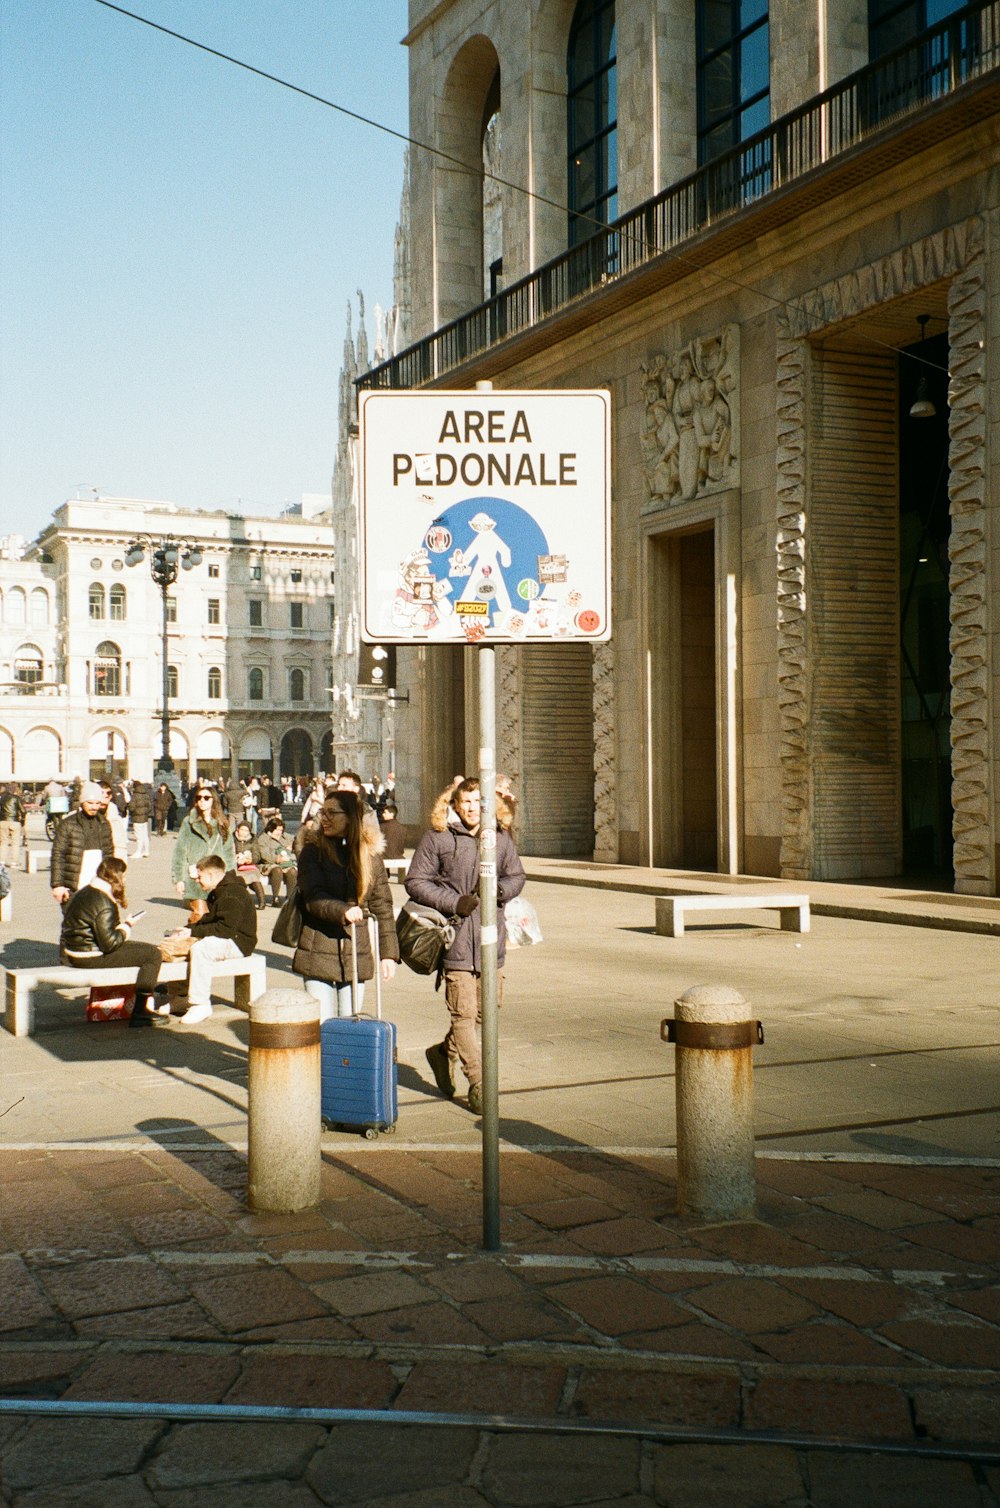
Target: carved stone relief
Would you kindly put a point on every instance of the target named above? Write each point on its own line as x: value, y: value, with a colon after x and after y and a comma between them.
x: 690, y: 436
x: 605, y: 770
x: 958, y: 253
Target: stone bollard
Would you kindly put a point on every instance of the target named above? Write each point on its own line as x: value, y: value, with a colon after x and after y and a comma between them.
x: 714, y: 1038
x: 283, y: 1158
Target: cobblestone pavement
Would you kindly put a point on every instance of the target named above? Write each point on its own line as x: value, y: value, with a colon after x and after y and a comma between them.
x: 839, y: 1348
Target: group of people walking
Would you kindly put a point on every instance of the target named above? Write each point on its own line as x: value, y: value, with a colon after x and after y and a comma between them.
x: 334, y: 867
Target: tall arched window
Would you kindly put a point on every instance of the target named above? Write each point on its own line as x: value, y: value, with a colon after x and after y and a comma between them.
x: 255, y: 684
x: 96, y: 600
x: 16, y: 606
x: 492, y: 201
x: 734, y: 73
x: 214, y: 684
x: 116, y: 603
x: 296, y: 685
x: 108, y: 670
x: 173, y: 680
x: 592, y: 118
x: 39, y: 607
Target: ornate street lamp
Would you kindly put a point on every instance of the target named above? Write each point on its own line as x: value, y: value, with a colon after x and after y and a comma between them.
x: 167, y: 557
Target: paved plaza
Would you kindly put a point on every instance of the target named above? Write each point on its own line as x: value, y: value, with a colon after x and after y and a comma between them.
x: 840, y: 1346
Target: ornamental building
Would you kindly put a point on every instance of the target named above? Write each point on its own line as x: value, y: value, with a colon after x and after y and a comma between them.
x: 770, y: 231
x: 247, y: 623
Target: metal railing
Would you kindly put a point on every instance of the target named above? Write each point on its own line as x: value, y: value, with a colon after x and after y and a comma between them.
x: 964, y: 47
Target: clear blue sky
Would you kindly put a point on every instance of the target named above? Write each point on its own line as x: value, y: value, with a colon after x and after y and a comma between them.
x: 180, y: 240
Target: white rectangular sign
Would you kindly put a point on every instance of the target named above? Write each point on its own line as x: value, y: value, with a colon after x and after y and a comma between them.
x: 485, y: 516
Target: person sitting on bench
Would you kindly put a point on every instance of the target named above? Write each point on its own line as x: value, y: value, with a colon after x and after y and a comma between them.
x: 227, y: 930
x: 95, y: 935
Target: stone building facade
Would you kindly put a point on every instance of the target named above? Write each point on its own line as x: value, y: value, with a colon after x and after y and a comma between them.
x: 249, y: 632
x: 771, y: 231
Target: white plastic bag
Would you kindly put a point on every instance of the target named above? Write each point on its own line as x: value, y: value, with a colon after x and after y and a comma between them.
x: 523, y: 927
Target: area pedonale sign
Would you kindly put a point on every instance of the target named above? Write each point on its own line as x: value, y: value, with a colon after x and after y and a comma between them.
x: 485, y: 517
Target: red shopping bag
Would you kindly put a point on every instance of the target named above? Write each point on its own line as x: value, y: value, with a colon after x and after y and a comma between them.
x: 110, y: 1002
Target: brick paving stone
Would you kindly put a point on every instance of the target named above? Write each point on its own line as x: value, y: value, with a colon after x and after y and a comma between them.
x: 530, y: 1318
x: 290, y: 1379
x: 727, y: 1476
x: 750, y: 1243
x: 327, y: 1238
x: 968, y: 1242
x: 871, y: 1207
x: 488, y: 1386
x: 108, y: 1287
x: 954, y: 1344
x: 565, y: 1214
x: 836, y: 1234
x: 677, y: 1280
x: 559, y: 1471
x: 156, y: 1377
x: 255, y: 1297
x: 177, y: 1227
x: 984, y: 1302
x: 652, y: 1397
x: 938, y: 1189
x: 341, y: 1472
x: 24, y: 1302
x: 130, y: 1200
x: 114, y: 1170
x: 860, y: 1303
x: 626, y: 1236
x: 374, y: 1291
x: 872, y: 1481
x: 829, y: 1344
x: 62, y: 1451
x: 753, y: 1305
x: 200, y: 1454
x: 43, y: 1373
x: 425, y: 1325
x: 844, y: 1410
x: 467, y: 1281
x: 693, y: 1340
x: 268, y: 1223
x: 325, y: 1327
x: 47, y: 1232
x: 617, y: 1305
x: 284, y: 1494
x: 185, y: 1320
x: 956, y: 1413
x: 108, y: 1492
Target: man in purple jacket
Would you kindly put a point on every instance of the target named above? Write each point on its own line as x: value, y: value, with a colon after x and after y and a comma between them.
x: 444, y: 873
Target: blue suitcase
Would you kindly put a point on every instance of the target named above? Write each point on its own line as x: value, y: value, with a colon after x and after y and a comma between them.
x: 358, y: 1066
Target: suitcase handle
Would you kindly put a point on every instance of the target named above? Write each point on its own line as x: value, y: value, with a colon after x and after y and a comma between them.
x: 373, y: 937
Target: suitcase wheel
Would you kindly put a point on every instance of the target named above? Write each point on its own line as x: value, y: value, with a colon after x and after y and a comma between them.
x: 371, y: 1132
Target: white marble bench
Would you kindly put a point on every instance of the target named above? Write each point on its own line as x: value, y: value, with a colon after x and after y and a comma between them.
x: 249, y: 976
x: 671, y: 910
x: 396, y: 868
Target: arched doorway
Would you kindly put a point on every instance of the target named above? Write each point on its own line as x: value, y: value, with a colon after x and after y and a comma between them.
x: 326, y: 752
x: 256, y: 757
x: 296, y: 756
x: 108, y: 755
x: 212, y: 754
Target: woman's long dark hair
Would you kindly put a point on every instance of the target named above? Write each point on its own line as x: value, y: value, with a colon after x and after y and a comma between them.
x: 351, y: 851
x: 216, y: 815
x: 112, y: 872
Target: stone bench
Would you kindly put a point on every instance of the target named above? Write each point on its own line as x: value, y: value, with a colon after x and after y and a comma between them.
x: 396, y: 868
x: 249, y: 976
x: 36, y: 859
x: 672, y: 909
x: 7, y: 907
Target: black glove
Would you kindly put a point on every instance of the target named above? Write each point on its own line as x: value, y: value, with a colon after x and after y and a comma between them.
x: 466, y: 904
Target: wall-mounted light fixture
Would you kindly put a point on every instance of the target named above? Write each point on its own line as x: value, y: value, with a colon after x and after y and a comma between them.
x: 922, y: 407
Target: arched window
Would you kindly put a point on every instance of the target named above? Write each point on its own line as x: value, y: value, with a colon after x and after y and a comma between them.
x: 39, y: 607
x: 29, y: 668
x: 492, y: 201
x: 108, y: 670
x: 296, y: 685
x: 734, y: 73
x: 116, y: 603
x: 173, y: 680
x: 96, y: 600
x: 592, y: 118
x: 16, y: 606
x: 214, y: 684
x: 255, y: 684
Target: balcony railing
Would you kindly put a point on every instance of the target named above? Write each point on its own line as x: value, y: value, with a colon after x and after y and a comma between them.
x: 964, y: 47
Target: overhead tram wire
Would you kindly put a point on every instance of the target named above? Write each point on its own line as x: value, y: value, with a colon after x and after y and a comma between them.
x: 517, y: 188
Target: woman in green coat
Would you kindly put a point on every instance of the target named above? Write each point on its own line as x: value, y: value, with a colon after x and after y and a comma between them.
x: 204, y: 830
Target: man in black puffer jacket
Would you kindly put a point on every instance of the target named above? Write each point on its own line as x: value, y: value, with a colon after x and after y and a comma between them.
x: 82, y: 840
x: 444, y: 873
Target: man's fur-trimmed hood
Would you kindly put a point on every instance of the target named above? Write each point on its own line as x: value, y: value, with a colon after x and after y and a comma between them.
x: 442, y: 806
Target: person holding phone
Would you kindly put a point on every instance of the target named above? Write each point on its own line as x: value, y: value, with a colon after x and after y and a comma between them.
x: 96, y: 935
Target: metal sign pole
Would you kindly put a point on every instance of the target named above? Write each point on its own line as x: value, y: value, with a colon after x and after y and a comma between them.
x: 488, y: 945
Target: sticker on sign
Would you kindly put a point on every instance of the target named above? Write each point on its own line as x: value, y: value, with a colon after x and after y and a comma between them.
x: 485, y: 516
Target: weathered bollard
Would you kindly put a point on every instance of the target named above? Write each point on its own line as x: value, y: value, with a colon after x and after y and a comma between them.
x: 714, y: 1038
x: 283, y: 1156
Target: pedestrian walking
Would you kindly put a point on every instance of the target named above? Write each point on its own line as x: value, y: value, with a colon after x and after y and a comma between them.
x: 140, y: 809
x: 12, y: 815
x: 341, y: 881
x: 96, y: 934
x: 119, y: 827
x: 164, y: 805
x: 204, y: 831
x: 444, y: 873
x: 82, y: 840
